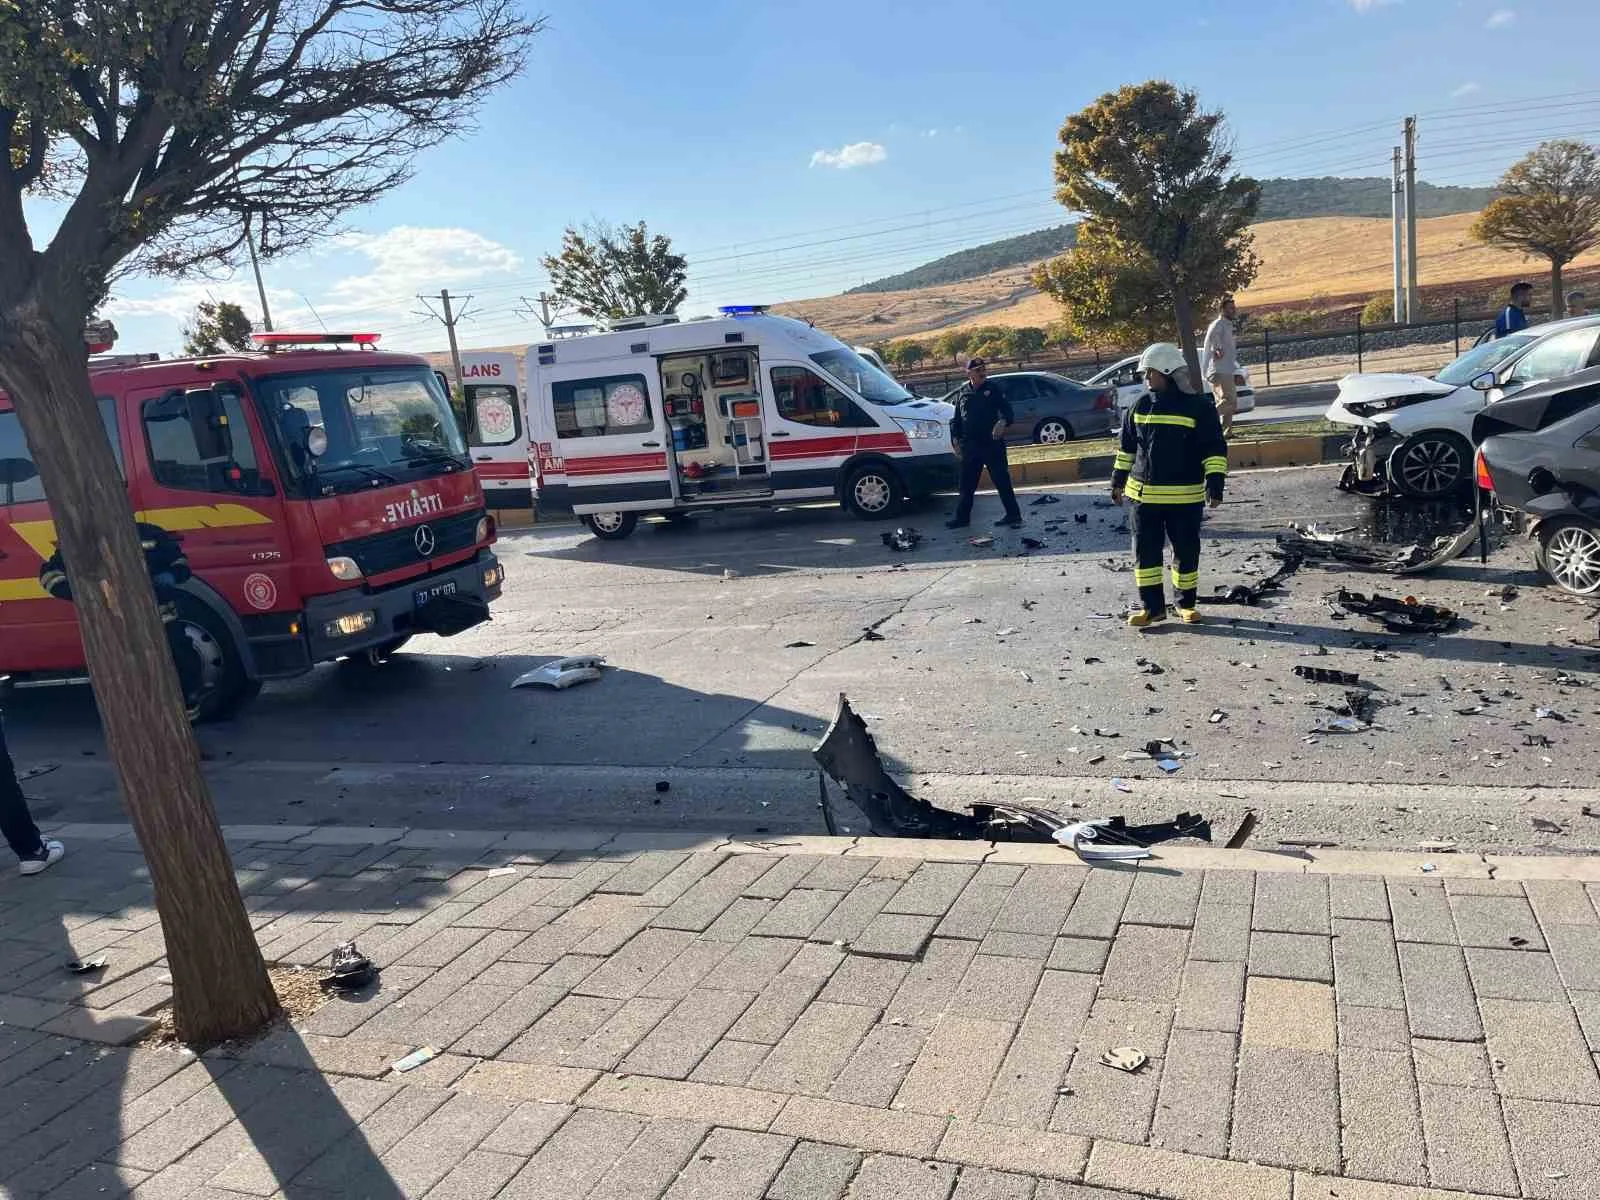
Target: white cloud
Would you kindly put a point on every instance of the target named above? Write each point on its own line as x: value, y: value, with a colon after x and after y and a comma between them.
x: 930, y: 133
x: 856, y: 154
x: 1466, y: 89
x: 1500, y: 18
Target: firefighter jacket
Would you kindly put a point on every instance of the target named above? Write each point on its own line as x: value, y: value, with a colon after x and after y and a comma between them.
x: 1172, y: 450
x: 163, y: 558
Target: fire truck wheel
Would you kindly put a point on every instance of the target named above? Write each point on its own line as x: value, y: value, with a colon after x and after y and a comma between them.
x: 873, y: 492
x: 611, y: 526
x: 213, y: 673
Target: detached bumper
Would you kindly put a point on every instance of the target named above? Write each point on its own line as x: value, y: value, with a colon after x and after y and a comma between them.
x: 445, y: 602
x: 924, y: 474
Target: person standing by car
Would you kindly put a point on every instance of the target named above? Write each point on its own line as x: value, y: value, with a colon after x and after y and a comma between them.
x: 1221, y: 354
x: 978, y: 432
x: 33, y: 852
x: 1577, y: 306
x: 1514, y: 316
x: 1172, y: 460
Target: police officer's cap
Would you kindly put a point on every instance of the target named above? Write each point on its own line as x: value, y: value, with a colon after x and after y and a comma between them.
x: 976, y: 364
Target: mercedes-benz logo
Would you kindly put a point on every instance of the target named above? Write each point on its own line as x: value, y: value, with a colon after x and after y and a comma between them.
x: 425, y: 541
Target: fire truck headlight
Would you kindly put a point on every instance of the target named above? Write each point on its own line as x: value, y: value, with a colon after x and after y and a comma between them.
x: 484, y: 529
x: 350, y: 624
x: 344, y: 568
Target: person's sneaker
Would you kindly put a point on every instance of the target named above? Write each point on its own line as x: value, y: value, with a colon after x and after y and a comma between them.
x: 1010, y: 522
x: 957, y: 524
x: 49, y: 855
x: 1189, y: 616
x: 1140, y: 619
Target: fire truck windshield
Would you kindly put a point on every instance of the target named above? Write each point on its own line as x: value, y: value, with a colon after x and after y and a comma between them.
x: 376, y: 425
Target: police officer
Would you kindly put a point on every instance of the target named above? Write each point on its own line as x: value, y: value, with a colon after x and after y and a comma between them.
x: 169, y: 570
x: 978, y: 431
x: 1172, y: 461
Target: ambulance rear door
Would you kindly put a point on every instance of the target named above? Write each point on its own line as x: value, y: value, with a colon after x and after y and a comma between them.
x: 496, y: 427
x: 610, y: 447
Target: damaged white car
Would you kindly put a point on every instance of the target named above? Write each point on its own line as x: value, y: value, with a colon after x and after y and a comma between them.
x: 1414, y: 434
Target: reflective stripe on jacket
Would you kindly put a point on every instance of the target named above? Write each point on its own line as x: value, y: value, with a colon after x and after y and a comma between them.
x: 1171, y: 450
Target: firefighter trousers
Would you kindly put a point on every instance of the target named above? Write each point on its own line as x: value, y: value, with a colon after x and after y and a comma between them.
x: 1154, y: 525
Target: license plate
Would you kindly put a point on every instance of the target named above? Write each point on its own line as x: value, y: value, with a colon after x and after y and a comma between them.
x: 424, y: 595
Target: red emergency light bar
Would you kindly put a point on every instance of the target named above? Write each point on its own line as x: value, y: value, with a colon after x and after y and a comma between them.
x: 273, y: 341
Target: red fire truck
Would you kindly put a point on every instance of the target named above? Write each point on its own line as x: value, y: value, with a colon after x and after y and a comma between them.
x: 320, y: 488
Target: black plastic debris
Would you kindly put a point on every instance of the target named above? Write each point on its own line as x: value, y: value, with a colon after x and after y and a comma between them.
x: 1544, y: 826
x: 1030, y: 543
x: 1047, y: 498
x: 1251, y: 594
x: 902, y: 539
x: 663, y: 785
x: 1325, y: 675
x: 1081, y: 518
x: 1537, y: 740
x: 1397, y: 616
x: 350, y: 970
x: 1314, y: 545
x: 798, y: 645
x: 88, y: 966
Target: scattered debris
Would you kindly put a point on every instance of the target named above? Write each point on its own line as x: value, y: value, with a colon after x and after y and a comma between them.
x: 1030, y: 543
x: 1545, y: 826
x: 1217, y: 716
x: 350, y: 970
x: 88, y: 966
x: 1437, y: 847
x: 1324, y: 675
x: 563, y: 673
x: 1342, y: 725
x: 415, y: 1059
x: 982, y: 543
x: 1169, y: 765
x: 37, y: 770
x: 1124, y: 1058
x: 901, y: 539
x: 1315, y: 546
x: 1251, y: 594
x: 1028, y: 605
x: 1007, y: 631
x: 1537, y: 739
x: 1548, y: 714
x: 870, y: 634
x: 493, y: 872
x: 1081, y: 518
x: 663, y: 785
x: 1046, y: 498
x: 1148, y: 667
x: 802, y: 644
x: 1429, y: 868
x: 1122, y: 785
x: 1397, y: 616
x: 1515, y: 940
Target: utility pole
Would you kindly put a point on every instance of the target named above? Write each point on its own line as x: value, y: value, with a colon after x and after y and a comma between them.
x: 449, y: 321
x: 541, y: 314
x: 255, y: 265
x: 1401, y: 316
x: 1413, y: 302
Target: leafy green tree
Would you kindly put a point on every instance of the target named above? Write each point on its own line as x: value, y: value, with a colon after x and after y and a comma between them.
x: 608, y: 272
x: 952, y: 344
x: 906, y: 354
x: 1061, y: 334
x: 1548, y: 207
x: 1154, y: 171
x: 159, y: 127
x: 1379, y: 310
x: 1028, y: 340
x: 1110, y: 293
x: 217, y: 325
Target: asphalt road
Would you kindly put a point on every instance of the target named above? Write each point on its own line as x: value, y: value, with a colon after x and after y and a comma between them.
x: 999, y: 673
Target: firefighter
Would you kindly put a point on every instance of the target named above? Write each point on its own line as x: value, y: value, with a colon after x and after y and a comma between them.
x: 169, y: 570
x: 1171, y: 462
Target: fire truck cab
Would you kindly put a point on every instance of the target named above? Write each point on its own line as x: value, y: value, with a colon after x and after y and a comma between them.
x: 322, y: 493
x: 747, y: 409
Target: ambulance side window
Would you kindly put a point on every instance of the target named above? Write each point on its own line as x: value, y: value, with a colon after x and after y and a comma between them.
x: 602, y: 407
x: 811, y: 400
x: 492, y: 414
x: 19, y: 476
x: 175, y: 460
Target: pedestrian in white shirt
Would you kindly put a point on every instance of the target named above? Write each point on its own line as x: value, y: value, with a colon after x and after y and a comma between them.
x: 1221, y: 356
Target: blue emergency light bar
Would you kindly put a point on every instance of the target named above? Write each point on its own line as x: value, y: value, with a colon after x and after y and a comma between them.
x: 742, y: 310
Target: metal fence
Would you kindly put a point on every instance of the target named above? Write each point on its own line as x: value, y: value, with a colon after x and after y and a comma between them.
x: 1276, y: 358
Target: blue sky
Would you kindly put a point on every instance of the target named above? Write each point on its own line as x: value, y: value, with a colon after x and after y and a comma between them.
x: 795, y: 150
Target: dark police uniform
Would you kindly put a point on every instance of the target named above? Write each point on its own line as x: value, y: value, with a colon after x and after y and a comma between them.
x: 977, y: 410
x: 1172, y: 456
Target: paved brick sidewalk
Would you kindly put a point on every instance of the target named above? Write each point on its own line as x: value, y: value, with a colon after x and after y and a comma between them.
x: 817, y: 1020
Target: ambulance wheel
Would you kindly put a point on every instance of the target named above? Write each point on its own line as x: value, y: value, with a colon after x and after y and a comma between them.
x: 873, y: 492
x: 209, y: 664
x: 611, y: 526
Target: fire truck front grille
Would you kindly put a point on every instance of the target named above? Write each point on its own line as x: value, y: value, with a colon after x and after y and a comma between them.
x: 406, y: 547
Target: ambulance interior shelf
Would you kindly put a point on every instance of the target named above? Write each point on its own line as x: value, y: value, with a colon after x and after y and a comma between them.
x: 718, y: 439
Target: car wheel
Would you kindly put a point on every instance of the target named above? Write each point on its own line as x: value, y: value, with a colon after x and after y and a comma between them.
x: 1569, y: 552
x: 1430, y: 465
x: 1052, y: 432
x: 209, y: 665
x: 611, y: 526
x: 873, y: 492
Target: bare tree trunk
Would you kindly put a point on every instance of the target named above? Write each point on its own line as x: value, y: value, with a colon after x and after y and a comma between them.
x: 220, y: 984
x: 1183, y: 310
x: 1558, y: 295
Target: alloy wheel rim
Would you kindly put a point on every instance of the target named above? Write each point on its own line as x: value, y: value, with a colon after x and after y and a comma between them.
x: 1574, y: 558
x: 872, y: 493
x: 1052, y: 433
x: 1431, y: 467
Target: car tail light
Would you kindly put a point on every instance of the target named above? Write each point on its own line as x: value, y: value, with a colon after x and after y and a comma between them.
x: 1481, y: 467
x: 1105, y: 401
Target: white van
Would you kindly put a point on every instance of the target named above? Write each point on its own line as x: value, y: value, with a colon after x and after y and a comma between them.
x: 658, y: 415
x: 496, y: 432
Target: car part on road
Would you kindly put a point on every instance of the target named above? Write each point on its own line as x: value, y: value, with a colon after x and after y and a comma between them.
x: 563, y: 673
x: 349, y: 969
x: 901, y: 538
x: 1310, y: 543
x: 1325, y: 675
x: 88, y: 966
x: 1046, y: 498
x: 1251, y: 594
x: 423, y: 1054
x: 1397, y: 616
x: 1124, y: 1058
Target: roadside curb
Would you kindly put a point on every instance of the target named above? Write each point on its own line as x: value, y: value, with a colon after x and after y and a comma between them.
x: 583, y: 840
x: 1304, y: 451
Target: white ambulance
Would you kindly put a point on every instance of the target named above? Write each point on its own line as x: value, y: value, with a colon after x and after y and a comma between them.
x: 657, y: 415
x: 495, y: 427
